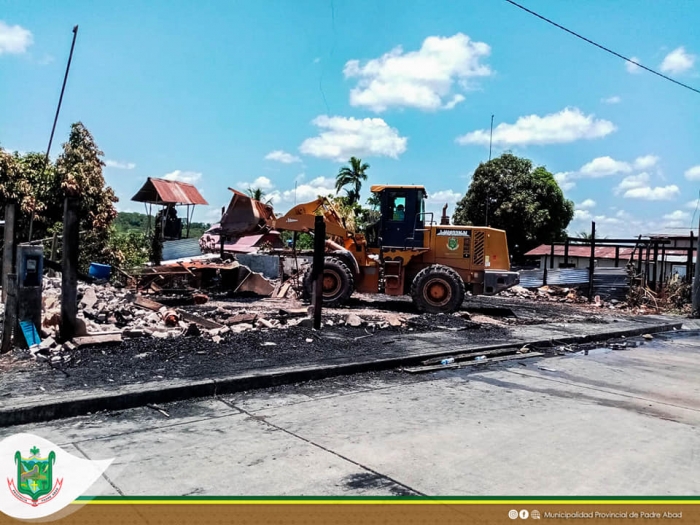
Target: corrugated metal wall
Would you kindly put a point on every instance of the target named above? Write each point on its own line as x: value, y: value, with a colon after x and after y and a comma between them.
x: 182, y: 249
x: 609, y: 283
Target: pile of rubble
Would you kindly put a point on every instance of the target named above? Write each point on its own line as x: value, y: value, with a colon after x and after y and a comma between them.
x: 548, y: 293
x: 106, y: 314
x: 559, y: 294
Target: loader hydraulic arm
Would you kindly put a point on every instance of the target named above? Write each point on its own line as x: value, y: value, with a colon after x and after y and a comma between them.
x: 301, y: 218
x: 247, y: 216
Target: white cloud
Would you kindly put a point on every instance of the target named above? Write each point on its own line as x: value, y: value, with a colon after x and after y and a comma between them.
x: 693, y: 173
x: 183, y: 176
x: 119, y: 165
x: 677, y: 215
x: 445, y: 196
x: 677, y: 219
x: 263, y: 183
x: 677, y: 61
x: 307, y: 192
x: 632, y: 181
x: 344, y: 137
x: 282, y: 156
x: 564, y: 180
x: 693, y: 204
x: 582, y: 215
x: 604, y: 166
x: 421, y: 79
x: 611, y: 100
x: 659, y: 193
x: 633, y: 68
x: 14, y: 39
x: 455, y: 100
x: 588, y: 203
x: 568, y: 125
x: 645, y: 162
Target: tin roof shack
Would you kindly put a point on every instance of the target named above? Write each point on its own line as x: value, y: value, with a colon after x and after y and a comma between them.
x: 168, y: 195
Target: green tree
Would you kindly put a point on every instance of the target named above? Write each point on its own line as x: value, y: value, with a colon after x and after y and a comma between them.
x: 79, y: 169
x: 259, y: 195
x: 353, y: 176
x: 524, y: 201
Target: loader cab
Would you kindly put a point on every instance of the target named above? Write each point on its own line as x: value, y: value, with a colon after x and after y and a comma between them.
x: 402, y: 216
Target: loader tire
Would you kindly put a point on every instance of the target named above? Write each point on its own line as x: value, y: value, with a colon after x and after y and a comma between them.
x: 338, y: 282
x: 437, y: 289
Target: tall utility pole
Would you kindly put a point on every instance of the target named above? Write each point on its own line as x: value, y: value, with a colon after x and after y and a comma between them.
x: 491, y: 137
x: 488, y: 196
x: 55, y: 119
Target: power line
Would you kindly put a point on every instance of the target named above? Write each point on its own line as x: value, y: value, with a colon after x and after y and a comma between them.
x: 603, y: 47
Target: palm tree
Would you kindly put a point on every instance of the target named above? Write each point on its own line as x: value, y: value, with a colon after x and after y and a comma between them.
x: 586, y: 236
x: 373, y: 201
x: 258, y: 194
x: 352, y: 176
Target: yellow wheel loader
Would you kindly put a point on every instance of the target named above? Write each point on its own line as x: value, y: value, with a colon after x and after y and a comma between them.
x: 404, y: 253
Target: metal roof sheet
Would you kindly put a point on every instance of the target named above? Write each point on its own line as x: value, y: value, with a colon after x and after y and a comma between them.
x: 601, y: 252
x: 381, y: 187
x: 161, y: 191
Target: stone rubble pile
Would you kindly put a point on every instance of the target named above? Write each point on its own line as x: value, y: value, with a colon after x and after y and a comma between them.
x: 551, y: 293
x: 107, y: 313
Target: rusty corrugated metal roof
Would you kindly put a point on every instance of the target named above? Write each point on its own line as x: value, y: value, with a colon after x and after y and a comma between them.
x: 161, y: 191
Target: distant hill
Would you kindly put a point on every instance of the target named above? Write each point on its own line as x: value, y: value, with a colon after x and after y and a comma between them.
x: 137, y: 222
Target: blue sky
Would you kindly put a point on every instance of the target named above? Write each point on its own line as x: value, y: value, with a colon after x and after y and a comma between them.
x: 273, y: 93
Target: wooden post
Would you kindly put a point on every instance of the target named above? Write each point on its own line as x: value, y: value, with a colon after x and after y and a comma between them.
x: 544, y: 273
x: 696, y: 283
x: 689, y: 262
x: 8, y: 251
x: 646, y: 266
x: 317, y: 270
x: 639, y: 257
x: 662, y: 272
x: 566, y: 252
x: 221, y: 234
x: 617, y: 256
x: 52, y: 258
x: 656, y: 264
x: 10, y: 312
x: 551, y: 256
x: 69, y: 275
x: 591, y: 263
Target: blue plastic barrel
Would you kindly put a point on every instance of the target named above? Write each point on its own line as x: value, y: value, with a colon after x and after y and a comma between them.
x: 100, y: 271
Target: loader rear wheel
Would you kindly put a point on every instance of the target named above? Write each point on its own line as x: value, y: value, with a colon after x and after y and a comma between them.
x: 437, y: 289
x: 338, y: 282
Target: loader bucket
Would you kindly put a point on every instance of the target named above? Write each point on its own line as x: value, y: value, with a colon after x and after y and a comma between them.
x: 246, y: 216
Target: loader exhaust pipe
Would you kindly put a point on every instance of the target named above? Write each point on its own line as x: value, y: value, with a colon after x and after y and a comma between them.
x: 444, y: 220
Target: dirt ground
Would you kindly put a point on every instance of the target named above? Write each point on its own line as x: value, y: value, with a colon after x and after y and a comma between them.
x: 485, y: 320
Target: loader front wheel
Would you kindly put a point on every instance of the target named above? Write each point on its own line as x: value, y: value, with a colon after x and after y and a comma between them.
x: 437, y: 289
x: 338, y: 283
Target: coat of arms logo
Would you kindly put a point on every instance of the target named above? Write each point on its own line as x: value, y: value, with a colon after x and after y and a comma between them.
x: 452, y: 243
x: 34, y: 483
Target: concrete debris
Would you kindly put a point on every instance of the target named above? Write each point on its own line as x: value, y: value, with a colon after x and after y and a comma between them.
x: 648, y: 337
x: 264, y: 323
x: 353, y: 320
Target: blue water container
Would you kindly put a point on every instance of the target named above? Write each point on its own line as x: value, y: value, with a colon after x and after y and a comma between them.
x: 100, y: 271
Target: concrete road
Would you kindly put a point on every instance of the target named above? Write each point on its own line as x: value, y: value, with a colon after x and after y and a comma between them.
x: 611, y: 422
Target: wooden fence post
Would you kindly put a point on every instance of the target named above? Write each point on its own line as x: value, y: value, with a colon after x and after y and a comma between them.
x: 317, y: 270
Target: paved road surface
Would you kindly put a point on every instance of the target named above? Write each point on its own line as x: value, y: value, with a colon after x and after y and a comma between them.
x: 615, y: 422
